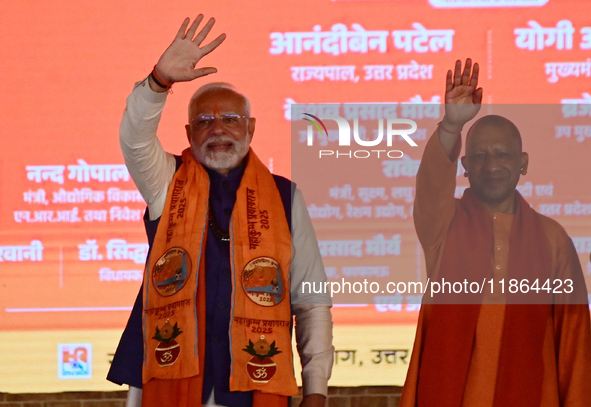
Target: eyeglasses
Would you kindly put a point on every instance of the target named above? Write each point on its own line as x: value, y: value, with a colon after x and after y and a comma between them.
x: 204, y: 122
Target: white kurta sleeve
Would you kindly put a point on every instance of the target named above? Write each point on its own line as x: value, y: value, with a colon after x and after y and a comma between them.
x: 312, y: 311
x: 150, y: 167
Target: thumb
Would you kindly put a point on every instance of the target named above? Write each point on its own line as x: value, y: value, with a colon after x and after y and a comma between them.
x: 477, y: 98
x: 203, y: 72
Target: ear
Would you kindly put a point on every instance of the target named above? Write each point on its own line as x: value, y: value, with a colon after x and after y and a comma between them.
x: 188, y: 130
x: 251, y: 125
x: 524, y: 163
x: 464, y: 163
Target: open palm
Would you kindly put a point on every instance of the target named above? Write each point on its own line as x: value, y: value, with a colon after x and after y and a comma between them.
x: 178, y: 62
x: 462, y: 97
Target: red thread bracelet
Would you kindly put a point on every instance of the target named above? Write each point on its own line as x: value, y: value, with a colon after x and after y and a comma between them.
x: 159, y: 81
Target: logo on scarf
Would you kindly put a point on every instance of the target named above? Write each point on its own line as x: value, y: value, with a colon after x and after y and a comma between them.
x: 171, y: 271
x: 262, y: 283
x: 260, y: 367
x: 168, y: 349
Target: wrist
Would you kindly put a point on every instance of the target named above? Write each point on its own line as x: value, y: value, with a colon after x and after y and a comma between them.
x: 450, y: 127
x: 157, y: 83
x: 155, y: 87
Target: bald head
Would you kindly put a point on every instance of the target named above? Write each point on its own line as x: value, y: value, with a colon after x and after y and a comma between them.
x: 493, y: 122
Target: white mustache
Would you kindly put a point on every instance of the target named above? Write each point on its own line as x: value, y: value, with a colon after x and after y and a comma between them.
x: 219, y: 139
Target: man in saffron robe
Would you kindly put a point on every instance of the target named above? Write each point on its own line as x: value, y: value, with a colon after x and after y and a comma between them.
x: 498, y: 351
x: 234, y: 338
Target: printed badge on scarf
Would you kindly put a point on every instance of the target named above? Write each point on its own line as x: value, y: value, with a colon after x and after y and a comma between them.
x: 171, y: 271
x: 262, y: 283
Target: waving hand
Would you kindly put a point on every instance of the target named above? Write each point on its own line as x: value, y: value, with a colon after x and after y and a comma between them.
x: 462, y: 102
x: 462, y: 97
x: 179, y: 61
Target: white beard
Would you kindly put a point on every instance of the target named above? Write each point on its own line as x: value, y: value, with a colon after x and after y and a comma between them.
x: 223, y: 160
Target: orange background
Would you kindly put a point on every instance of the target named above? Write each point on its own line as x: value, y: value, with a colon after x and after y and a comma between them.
x: 68, y: 66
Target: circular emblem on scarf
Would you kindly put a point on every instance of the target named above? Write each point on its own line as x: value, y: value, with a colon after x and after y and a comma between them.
x: 262, y: 283
x: 171, y: 271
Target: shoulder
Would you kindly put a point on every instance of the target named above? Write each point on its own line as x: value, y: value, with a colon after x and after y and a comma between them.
x: 284, y: 183
x: 287, y: 189
x: 566, y: 262
x: 555, y: 232
x: 280, y: 178
x: 562, y: 246
x: 178, y: 161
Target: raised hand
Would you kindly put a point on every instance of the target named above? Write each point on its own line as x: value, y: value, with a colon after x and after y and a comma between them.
x: 462, y: 97
x: 178, y: 62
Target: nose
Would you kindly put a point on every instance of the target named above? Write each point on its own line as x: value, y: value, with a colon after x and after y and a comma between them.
x: 491, y: 163
x: 217, y: 126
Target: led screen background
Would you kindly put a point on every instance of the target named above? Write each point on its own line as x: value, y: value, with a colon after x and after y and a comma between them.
x: 72, y: 245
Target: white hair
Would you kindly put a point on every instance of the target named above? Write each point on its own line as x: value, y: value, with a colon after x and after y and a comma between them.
x: 218, y: 85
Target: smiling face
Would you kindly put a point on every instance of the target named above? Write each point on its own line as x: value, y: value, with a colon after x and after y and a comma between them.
x: 494, y: 162
x: 219, y: 129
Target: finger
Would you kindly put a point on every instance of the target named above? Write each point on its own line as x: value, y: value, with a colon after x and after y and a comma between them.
x: 193, y: 27
x: 466, y: 74
x: 197, y: 73
x: 477, y: 96
x: 458, y: 73
x: 448, y: 82
x: 213, y: 45
x: 203, y: 33
x: 474, y: 78
x: 181, y: 33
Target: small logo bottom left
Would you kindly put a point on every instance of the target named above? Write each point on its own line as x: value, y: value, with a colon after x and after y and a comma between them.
x: 74, y: 360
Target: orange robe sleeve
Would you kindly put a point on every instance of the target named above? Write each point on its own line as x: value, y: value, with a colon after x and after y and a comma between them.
x: 434, y: 208
x: 434, y: 205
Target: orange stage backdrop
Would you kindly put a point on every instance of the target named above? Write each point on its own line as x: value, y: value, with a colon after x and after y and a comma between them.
x: 72, y: 245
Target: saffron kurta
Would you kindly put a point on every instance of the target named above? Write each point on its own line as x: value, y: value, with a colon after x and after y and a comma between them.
x: 567, y: 341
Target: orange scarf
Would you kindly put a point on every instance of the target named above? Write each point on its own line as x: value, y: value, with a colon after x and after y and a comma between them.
x: 174, y: 292
x: 449, y: 327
